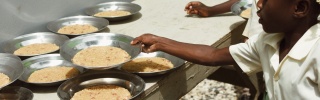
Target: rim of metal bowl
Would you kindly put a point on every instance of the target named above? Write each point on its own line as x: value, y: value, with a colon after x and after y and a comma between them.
x: 53, y: 26
x: 240, y: 6
x: 61, y: 91
x: 16, y: 60
x: 15, y: 92
x: 40, y: 58
x: 89, y: 11
x: 10, y: 45
x: 65, y: 55
x: 9, y: 55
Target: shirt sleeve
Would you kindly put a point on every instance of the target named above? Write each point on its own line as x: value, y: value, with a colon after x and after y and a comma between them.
x: 246, y: 55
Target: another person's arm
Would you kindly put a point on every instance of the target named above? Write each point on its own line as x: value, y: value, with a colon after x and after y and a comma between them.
x: 198, y: 8
x: 200, y: 54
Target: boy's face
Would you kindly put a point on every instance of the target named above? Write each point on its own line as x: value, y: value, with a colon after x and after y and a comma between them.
x: 275, y: 15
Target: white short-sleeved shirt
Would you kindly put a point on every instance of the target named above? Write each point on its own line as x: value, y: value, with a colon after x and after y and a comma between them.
x: 296, y: 77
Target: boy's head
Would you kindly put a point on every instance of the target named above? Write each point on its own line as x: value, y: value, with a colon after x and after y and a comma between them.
x: 281, y: 16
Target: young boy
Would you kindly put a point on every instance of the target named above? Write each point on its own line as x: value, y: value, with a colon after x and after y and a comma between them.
x: 287, y: 52
x: 252, y: 27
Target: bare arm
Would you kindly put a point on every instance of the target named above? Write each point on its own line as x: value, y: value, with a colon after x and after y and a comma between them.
x: 223, y: 7
x: 201, y: 9
x: 200, y: 54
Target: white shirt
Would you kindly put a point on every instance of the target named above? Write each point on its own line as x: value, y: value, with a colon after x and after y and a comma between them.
x: 296, y: 77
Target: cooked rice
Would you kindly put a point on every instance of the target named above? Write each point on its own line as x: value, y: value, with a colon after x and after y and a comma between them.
x: 53, y: 74
x: 4, y: 79
x: 148, y: 64
x: 77, y: 29
x: 100, y: 56
x: 112, y: 13
x: 38, y: 48
x: 102, y: 92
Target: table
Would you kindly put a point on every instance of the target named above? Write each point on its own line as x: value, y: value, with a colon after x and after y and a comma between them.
x: 165, y: 18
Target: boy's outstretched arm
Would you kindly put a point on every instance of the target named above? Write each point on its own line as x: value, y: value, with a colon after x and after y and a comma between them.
x: 200, y: 54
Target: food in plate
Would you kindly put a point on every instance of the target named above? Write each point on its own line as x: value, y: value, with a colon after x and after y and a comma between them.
x: 77, y: 29
x: 4, y: 79
x: 37, y: 48
x: 112, y: 13
x: 102, y: 92
x: 100, y: 56
x: 53, y: 74
x: 147, y: 64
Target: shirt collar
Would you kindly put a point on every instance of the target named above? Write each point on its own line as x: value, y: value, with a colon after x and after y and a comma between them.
x: 302, y: 47
x: 273, y: 39
x: 305, y: 43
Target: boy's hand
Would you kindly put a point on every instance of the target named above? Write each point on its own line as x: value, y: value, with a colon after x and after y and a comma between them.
x: 198, y: 8
x: 148, y: 41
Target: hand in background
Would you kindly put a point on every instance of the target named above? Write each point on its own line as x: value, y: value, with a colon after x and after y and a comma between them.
x: 198, y: 8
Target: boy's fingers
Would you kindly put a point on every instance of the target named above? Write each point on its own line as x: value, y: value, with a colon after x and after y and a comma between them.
x: 188, y: 6
x: 193, y: 12
x: 135, y: 41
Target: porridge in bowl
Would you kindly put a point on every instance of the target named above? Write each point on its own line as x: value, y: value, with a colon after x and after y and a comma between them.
x: 147, y: 64
x: 37, y: 48
x: 112, y: 13
x: 77, y: 29
x: 53, y: 74
x: 102, y: 92
x: 4, y: 79
x: 100, y: 56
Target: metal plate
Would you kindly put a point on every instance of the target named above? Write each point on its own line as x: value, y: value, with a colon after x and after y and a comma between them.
x: 99, y: 23
x: 113, y: 6
x: 177, y: 62
x: 15, y: 93
x: 73, y: 46
x: 240, y: 6
x: 133, y: 83
x: 11, y: 66
x: 44, y: 61
x: 32, y: 38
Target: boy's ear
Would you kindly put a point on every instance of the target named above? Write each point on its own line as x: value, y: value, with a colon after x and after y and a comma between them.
x: 302, y: 8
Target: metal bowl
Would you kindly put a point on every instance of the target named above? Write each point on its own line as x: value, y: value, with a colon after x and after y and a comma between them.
x: 15, y: 93
x: 241, y: 7
x: 11, y: 66
x: 113, y: 6
x: 177, y: 62
x: 73, y: 46
x: 8, y: 55
x: 32, y: 38
x: 99, y: 23
x: 44, y: 61
x: 134, y: 84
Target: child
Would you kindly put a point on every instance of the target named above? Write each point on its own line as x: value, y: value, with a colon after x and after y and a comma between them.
x: 252, y: 27
x: 287, y: 52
